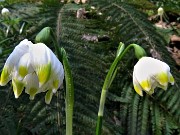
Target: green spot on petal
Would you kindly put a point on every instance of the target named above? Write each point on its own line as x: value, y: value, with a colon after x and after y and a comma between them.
x: 18, y: 87
x: 138, y: 90
x: 56, y: 84
x: 150, y: 92
x: 171, y: 79
x: 43, y: 73
x: 32, y: 93
x: 48, y: 96
x: 4, y: 76
x: 23, y: 71
x: 145, y: 85
x: 162, y: 78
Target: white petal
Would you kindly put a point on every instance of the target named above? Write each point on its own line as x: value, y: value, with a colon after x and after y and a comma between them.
x: 12, y: 61
x: 18, y: 87
x: 48, y: 96
x: 57, y: 72
x: 24, y: 66
x: 47, y: 66
x: 17, y: 53
x: 170, y: 78
x: 32, y: 85
x: 137, y: 86
x: 41, y: 63
x: 56, y: 77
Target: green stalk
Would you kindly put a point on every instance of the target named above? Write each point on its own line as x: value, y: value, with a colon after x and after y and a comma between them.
x: 108, y: 80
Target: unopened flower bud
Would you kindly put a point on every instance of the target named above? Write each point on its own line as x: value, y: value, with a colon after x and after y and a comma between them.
x: 139, y: 51
x: 44, y: 36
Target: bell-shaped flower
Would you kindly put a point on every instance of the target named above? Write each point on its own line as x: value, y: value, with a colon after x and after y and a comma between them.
x: 5, y: 12
x: 35, y: 67
x: 160, y: 11
x: 150, y: 73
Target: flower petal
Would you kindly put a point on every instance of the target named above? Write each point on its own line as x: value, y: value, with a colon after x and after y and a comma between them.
x: 162, y: 78
x: 18, y: 87
x: 170, y: 78
x: 24, y: 66
x: 57, y: 73
x: 5, y: 76
x: 48, y: 96
x: 18, y: 52
x: 137, y: 87
x: 32, y: 85
x: 50, y: 71
x: 13, y: 60
x: 146, y: 84
x: 40, y: 60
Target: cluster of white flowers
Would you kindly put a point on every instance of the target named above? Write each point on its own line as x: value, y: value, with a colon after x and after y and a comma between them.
x: 150, y: 73
x: 35, y: 67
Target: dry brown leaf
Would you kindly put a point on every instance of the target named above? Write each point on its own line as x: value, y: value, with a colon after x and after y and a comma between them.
x: 175, y: 38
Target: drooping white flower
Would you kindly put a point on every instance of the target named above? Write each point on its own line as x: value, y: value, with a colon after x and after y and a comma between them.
x: 150, y: 73
x: 5, y: 12
x: 99, y: 13
x: 35, y: 67
x: 93, y: 7
x: 160, y: 11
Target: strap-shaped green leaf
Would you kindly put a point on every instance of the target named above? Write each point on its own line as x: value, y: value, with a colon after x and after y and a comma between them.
x: 69, y: 93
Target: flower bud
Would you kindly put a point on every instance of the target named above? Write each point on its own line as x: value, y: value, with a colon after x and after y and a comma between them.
x: 44, y: 36
x: 139, y: 51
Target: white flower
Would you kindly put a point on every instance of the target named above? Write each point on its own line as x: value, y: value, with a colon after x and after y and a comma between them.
x: 150, y: 73
x: 35, y: 67
x: 160, y: 11
x: 92, y: 7
x: 99, y: 13
x: 5, y: 12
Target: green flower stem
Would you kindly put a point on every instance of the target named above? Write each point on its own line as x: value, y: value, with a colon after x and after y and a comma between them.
x: 69, y: 94
x: 99, y: 125
x: 161, y: 19
x: 108, y: 80
x: 102, y: 102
